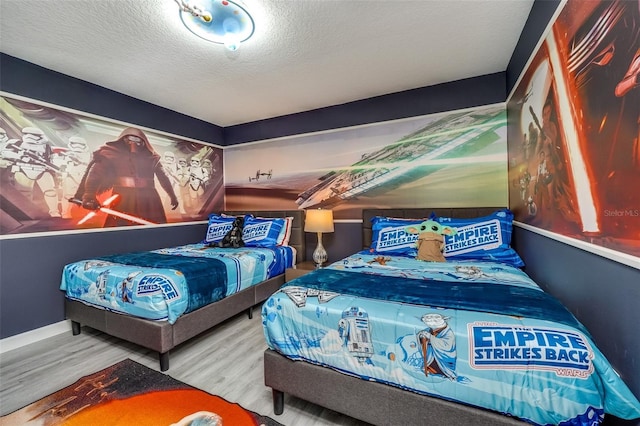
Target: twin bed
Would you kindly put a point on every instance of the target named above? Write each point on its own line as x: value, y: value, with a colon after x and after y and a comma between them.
x: 388, y: 339
x: 103, y: 292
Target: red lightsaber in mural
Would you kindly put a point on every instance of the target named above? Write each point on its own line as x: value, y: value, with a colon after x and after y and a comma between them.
x: 578, y: 165
x: 104, y: 207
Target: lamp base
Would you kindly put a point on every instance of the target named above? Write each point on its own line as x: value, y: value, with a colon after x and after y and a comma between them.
x: 319, y: 254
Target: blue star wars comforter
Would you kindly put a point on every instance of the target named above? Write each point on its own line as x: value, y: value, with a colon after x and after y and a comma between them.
x: 166, y: 283
x: 478, y: 333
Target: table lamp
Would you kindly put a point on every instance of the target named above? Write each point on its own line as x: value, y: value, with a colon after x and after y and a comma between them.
x: 319, y: 221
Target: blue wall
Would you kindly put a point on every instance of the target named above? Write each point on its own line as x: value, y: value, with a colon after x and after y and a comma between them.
x: 471, y: 92
x: 23, y: 78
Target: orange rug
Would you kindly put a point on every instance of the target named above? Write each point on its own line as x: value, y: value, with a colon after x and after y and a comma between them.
x: 129, y: 393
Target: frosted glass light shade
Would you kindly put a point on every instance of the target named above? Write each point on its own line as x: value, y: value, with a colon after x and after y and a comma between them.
x: 225, y: 22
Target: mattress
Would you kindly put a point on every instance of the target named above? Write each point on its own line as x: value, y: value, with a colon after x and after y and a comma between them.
x: 166, y: 283
x: 480, y: 333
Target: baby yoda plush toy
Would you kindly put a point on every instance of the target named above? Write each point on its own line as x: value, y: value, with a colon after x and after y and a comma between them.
x: 430, y: 241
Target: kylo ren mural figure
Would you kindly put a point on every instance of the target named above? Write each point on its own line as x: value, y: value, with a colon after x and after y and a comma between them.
x: 127, y: 166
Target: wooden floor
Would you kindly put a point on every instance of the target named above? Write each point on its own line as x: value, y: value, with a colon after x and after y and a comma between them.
x: 226, y: 361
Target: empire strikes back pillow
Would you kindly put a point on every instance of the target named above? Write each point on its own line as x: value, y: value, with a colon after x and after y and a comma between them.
x: 217, y: 228
x: 390, y: 237
x: 482, y: 238
x: 263, y: 232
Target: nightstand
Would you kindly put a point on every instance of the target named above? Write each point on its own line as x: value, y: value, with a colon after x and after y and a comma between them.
x: 300, y: 269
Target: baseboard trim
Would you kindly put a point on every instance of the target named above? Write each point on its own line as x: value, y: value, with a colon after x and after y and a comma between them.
x: 19, y: 340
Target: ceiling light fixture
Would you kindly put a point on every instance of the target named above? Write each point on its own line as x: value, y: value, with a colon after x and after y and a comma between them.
x: 219, y: 21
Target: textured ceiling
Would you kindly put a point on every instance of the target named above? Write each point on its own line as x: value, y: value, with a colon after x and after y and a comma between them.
x: 305, y: 54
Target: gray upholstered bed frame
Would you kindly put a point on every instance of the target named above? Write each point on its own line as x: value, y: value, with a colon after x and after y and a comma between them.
x: 373, y: 402
x: 161, y: 336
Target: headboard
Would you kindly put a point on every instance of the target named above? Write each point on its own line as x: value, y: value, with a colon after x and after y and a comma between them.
x: 297, y: 230
x: 413, y: 213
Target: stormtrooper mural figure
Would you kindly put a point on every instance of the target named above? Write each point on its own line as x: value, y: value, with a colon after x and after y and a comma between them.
x: 198, y: 179
x: 32, y: 171
x: 172, y: 168
x: 4, y: 138
x: 183, y: 183
x: 4, y: 141
x: 73, y: 163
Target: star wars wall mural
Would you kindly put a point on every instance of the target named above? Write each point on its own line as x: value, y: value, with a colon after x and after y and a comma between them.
x: 63, y: 170
x: 452, y: 159
x: 574, y: 154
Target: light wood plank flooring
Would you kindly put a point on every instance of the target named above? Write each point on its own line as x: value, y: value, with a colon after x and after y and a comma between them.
x: 225, y: 361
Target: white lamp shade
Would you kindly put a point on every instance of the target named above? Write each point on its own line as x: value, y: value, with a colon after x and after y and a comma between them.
x: 318, y: 220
